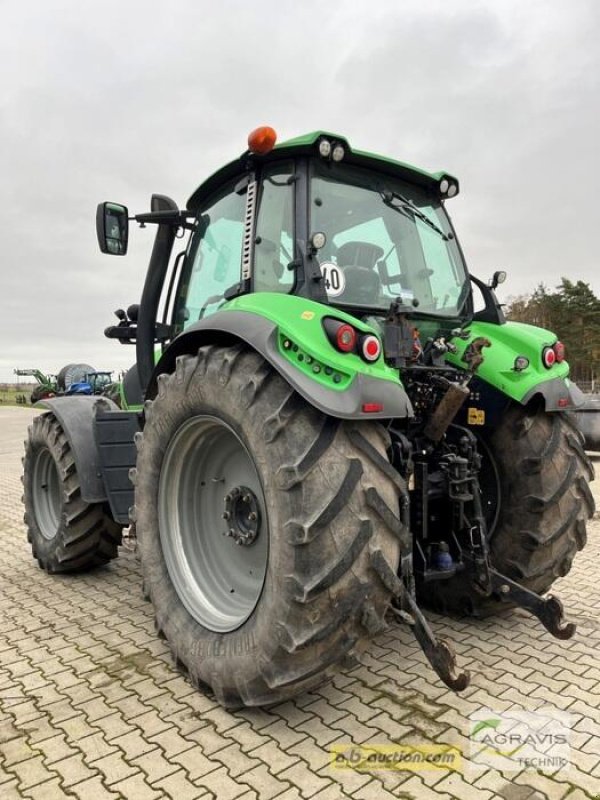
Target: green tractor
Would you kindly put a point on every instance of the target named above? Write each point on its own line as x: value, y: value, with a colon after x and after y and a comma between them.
x: 320, y: 430
x: 46, y: 384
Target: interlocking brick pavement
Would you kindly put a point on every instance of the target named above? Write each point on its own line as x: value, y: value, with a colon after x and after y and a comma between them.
x: 92, y: 707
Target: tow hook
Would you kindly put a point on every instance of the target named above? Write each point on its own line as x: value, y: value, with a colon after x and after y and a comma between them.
x: 488, y: 581
x: 549, y: 610
x: 439, y: 652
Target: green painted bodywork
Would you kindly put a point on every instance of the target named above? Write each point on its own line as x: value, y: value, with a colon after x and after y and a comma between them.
x: 307, y: 145
x: 385, y: 163
x: 303, y: 342
x: 123, y: 401
x: 509, y: 341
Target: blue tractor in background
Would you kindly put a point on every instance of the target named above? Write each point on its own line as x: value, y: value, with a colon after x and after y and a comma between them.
x: 92, y: 383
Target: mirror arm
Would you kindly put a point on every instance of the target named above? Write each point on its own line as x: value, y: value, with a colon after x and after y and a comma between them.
x: 493, y: 310
x: 170, y: 217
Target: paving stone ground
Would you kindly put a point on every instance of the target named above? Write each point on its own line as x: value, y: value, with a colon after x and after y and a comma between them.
x: 92, y: 707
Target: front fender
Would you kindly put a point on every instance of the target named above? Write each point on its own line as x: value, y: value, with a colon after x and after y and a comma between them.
x: 76, y: 415
x: 309, y: 363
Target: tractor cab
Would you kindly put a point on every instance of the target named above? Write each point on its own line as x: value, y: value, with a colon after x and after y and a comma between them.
x: 309, y: 218
x: 314, y: 219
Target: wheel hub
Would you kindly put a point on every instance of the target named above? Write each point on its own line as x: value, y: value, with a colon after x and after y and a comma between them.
x: 242, y: 513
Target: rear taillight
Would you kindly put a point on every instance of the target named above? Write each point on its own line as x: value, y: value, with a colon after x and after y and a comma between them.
x: 370, y: 348
x: 342, y: 335
x: 559, y: 351
x: 549, y: 357
x: 345, y: 338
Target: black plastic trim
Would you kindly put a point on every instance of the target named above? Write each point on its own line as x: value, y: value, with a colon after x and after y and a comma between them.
x: 554, y: 390
x: 153, y: 285
x: 114, y: 433
x: 493, y: 310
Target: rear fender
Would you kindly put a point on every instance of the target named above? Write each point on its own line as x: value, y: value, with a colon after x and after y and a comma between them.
x: 534, y: 382
x: 298, y: 322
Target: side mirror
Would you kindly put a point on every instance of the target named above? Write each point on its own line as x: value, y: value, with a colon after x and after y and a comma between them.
x: 112, y: 228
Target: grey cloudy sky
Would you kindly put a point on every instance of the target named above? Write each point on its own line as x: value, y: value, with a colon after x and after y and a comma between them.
x: 116, y: 100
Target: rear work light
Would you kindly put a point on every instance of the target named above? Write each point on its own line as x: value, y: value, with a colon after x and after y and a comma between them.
x: 559, y: 351
x: 370, y: 348
x: 548, y: 357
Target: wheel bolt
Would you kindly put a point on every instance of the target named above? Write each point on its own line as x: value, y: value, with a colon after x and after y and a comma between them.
x: 246, y: 498
x: 226, y: 515
x: 253, y: 515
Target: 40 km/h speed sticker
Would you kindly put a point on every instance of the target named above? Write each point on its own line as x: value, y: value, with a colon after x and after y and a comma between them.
x: 334, y: 279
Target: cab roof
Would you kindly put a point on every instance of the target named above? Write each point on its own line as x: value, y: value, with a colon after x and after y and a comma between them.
x: 307, y: 145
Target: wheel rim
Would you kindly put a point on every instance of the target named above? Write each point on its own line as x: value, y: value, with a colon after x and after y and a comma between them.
x: 47, y: 500
x: 208, y: 475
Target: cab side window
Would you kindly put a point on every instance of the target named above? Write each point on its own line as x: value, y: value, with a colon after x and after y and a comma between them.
x: 274, y: 247
x: 214, y: 259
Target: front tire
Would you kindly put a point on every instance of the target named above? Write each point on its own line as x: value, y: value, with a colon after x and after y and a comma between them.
x: 66, y: 533
x: 307, y: 597
x: 543, y: 504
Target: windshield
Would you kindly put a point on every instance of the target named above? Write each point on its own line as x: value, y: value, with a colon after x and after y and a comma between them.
x: 385, y: 238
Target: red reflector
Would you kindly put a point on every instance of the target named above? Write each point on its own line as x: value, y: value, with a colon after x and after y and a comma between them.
x: 371, y: 348
x: 563, y: 402
x: 559, y: 351
x: 370, y: 408
x: 548, y: 357
x: 345, y: 338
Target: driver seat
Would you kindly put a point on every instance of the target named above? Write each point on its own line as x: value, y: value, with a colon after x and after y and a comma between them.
x: 358, y: 261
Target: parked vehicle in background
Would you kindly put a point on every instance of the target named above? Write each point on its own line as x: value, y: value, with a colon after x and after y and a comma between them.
x: 47, y: 384
x: 588, y: 420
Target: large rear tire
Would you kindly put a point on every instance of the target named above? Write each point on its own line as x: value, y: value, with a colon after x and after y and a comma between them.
x: 539, y: 509
x: 66, y: 533
x: 309, y: 497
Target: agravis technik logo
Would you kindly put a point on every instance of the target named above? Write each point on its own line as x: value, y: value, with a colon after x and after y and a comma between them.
x: 516, y: 739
